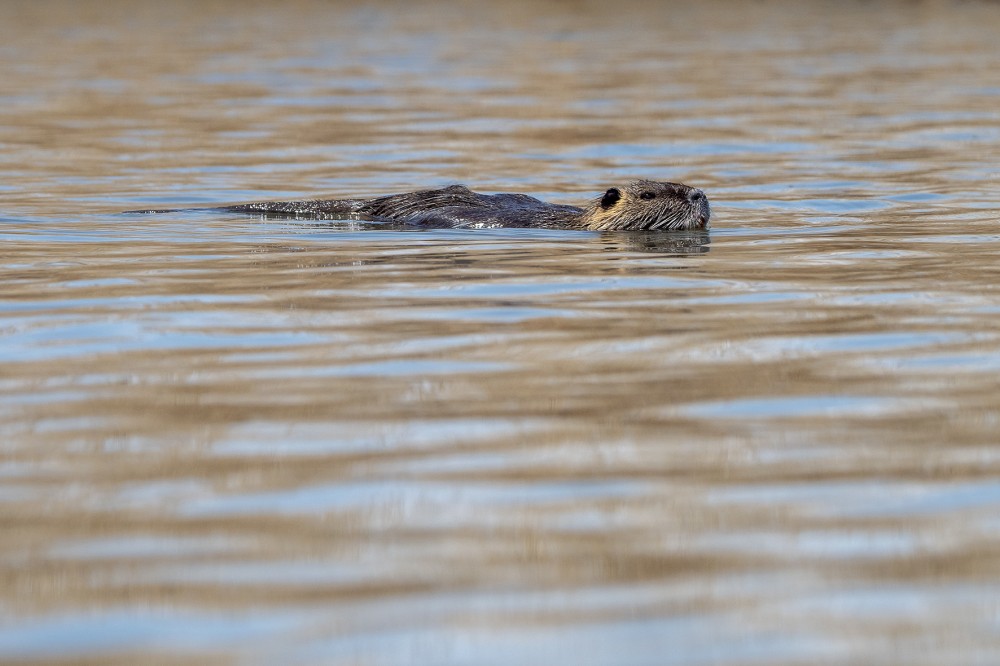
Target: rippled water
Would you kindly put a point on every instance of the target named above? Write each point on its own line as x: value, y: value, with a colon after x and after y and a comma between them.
x: 229, y: 439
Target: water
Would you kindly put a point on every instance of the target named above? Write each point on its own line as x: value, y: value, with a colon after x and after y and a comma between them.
x: 228, y: 439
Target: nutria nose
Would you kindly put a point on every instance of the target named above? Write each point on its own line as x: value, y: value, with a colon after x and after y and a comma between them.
x: 695, y: 195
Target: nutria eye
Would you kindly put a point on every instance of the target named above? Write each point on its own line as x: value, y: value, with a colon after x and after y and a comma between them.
x: 647, y: 195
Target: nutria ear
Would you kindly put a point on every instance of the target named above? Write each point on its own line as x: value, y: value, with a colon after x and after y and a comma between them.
x: 610, y: 198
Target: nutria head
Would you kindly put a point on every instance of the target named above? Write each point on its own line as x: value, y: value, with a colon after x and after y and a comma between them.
x: 647, y: 204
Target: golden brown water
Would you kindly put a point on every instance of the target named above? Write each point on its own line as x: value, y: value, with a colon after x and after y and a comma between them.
x: 227, y: 439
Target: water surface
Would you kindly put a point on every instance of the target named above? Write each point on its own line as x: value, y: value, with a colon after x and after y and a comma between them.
x: 230, y: 439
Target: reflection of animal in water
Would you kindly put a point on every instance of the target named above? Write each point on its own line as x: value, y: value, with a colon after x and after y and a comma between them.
x: 635, y: 206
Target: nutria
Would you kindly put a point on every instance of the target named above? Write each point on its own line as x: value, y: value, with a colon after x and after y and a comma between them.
x: 635, y: 206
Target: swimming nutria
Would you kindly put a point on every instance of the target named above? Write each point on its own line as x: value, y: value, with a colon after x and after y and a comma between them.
x: 635, y: 206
